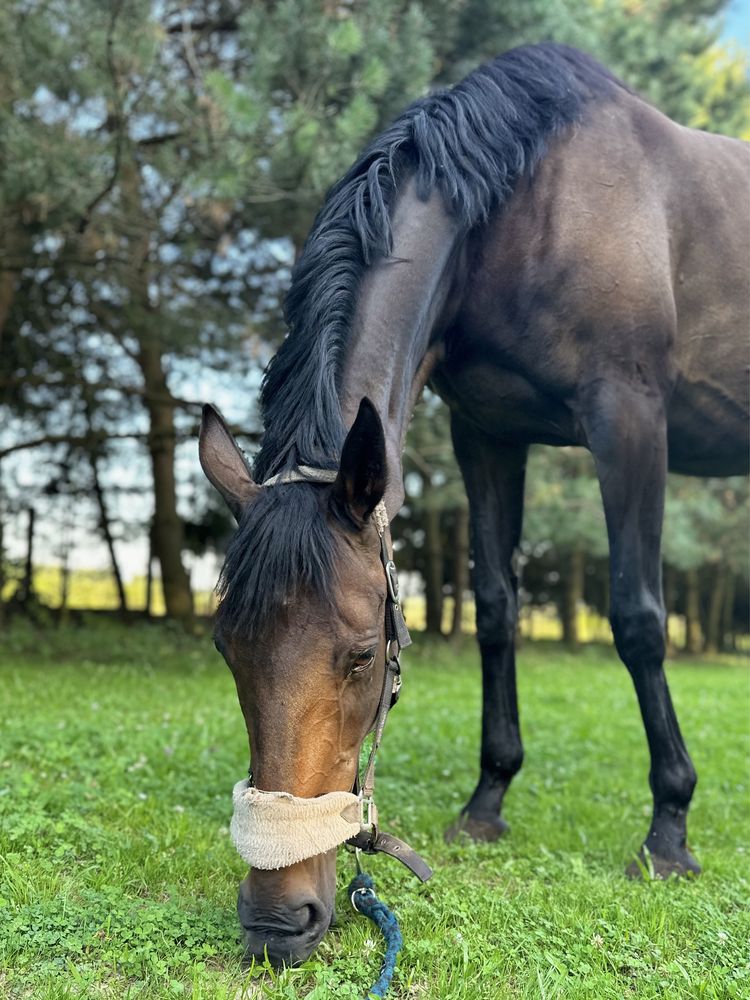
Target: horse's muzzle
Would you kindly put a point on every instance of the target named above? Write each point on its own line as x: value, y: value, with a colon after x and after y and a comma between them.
x: 287, y: 934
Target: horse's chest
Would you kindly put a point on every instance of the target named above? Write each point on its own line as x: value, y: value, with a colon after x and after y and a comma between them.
x: 503, y: 403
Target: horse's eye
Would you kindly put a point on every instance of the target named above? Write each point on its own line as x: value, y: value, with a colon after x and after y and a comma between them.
x: 362, y: 660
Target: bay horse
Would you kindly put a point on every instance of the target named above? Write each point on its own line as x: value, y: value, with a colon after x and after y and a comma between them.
x: 564, y: 265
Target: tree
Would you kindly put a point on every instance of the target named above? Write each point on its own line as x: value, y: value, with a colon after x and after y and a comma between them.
x: 435, y: 526
x: 173, y: 159
x: 300, y: 106
x: 120, y: 267
x: 159, y: 169
x: 706, y: 542
x: 563, y: 527
x: 670, y: 51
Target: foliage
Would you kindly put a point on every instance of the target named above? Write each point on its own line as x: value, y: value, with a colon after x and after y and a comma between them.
x: 304, y: 103
x: 161, y: 165
x: 670, y: 52
x: 117, y: 757
x: 563, y: 506
x: 706, y: 523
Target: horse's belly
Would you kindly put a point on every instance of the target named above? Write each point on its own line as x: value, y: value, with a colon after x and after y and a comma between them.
x: 708, y: 429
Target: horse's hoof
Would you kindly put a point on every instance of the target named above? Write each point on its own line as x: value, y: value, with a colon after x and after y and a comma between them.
x: 481, y: 831
x: 652, y: 866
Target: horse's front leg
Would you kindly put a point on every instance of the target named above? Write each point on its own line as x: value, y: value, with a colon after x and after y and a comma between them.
x: 627, y: 435
x: 494, y: 478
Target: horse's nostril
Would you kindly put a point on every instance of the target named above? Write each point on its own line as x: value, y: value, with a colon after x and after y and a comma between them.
x: 316, y: 918
x: 285, y: 935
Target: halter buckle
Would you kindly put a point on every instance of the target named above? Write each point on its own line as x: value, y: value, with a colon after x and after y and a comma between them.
x: 391, y: 576
x: 368, y: 815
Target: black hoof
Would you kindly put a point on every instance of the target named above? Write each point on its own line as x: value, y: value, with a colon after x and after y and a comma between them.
x: 481, y: 831
x: 653, y: 866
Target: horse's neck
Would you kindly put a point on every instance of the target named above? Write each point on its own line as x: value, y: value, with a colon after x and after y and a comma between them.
x: 401, y: 304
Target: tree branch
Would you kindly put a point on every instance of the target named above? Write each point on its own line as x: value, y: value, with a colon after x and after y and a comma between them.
x: 95, y: 438
x: 43, y: 381
x: 230, y: 23
x: 119, y: 124
x: 84, y: 440
x: 157, y: 140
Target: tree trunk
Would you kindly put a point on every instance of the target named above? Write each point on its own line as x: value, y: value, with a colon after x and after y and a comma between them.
x: 168, y: 532
x: 572, y: 597
x: 607, y: 596
x: 101, y: 501
x: 727, y: 614
x: 460, y: 566
x: 106, y: 530
x: 64, y: 587
x: 670, y: 593
x: 693, y: 635
x: 27, y: 585
x: 7, y: 294
x: 433, y: 584
x: 2, y: 560
x: 150, y: 572
x: 715, y: 608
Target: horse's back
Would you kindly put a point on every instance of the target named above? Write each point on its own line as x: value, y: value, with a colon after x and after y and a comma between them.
x: 626, y: 257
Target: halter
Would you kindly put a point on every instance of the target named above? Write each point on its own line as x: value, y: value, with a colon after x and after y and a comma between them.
x: 275, y: 829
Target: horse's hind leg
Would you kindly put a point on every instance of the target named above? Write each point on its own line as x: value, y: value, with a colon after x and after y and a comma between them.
x: 626, y: 431
x: 494, y: 478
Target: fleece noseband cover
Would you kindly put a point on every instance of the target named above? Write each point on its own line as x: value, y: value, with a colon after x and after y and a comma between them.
x: 275, y: 829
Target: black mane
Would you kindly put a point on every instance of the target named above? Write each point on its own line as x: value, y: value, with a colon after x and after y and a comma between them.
x: 471, y: 143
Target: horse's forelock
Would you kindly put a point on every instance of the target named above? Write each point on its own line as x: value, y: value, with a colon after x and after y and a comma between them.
x: 284, y: 546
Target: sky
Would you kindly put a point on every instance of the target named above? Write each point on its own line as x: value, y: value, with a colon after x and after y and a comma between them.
x: 737, y: 22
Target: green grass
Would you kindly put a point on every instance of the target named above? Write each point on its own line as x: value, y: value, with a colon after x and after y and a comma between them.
x: 118, y: 752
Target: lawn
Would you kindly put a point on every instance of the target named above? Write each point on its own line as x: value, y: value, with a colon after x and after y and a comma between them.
x: 118, y: 751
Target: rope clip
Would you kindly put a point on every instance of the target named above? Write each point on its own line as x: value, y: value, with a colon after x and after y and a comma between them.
x: 362, y: 891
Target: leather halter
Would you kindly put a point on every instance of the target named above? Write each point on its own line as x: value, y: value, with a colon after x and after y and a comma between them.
x: 370, y: 839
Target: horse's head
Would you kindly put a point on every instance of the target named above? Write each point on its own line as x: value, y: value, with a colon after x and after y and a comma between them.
x: 302, y: 626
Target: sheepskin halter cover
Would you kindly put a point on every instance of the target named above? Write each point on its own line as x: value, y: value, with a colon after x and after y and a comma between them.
x: 275, y: 829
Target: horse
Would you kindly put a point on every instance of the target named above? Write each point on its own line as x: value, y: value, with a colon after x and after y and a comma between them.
x: 562, y: 264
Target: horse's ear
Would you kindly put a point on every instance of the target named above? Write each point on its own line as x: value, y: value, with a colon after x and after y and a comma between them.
x: 361, y: 482
x: 224, y: 463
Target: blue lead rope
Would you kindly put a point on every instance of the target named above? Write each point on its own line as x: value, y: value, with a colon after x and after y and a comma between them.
x: 364, y: 900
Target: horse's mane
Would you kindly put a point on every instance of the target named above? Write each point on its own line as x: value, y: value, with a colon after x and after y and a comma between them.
x: 470, y: 143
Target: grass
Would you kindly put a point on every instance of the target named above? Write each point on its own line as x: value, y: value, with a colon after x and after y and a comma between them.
x: 117, y: 878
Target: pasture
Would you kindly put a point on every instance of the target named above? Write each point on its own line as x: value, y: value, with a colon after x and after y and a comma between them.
x: 118, y: 751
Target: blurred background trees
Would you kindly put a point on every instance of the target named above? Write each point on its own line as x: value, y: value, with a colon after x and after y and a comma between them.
x: 160, y: 165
